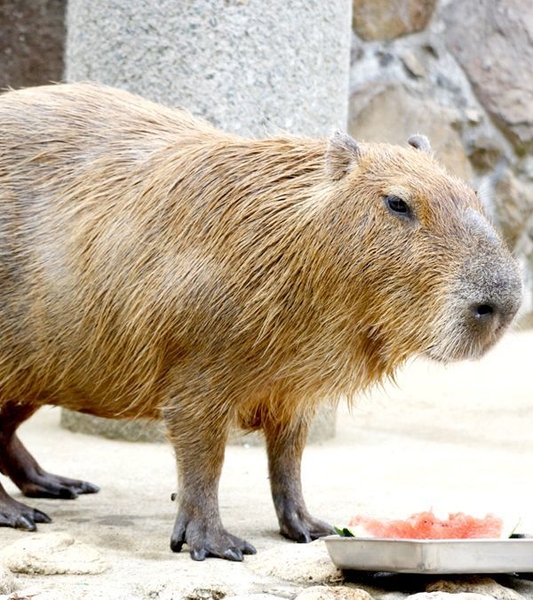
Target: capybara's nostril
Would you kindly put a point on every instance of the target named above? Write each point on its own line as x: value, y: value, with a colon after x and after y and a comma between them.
x: 483, y: 312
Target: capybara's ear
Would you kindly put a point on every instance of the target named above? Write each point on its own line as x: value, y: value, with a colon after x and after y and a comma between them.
x: 420, y: 142
x: 342, y: 154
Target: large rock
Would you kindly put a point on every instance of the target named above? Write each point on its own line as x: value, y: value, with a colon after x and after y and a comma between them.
x: 387, y: 19
x: 390, y: 113
x: 513, y: 208
x: 493, y: 43
x: 7, y: 580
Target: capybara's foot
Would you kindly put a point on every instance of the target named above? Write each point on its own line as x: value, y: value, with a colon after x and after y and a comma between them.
x: 32, y: 480
x: 46, y: 485
x: 18, y: 515
x: 204, y: 541
x: 301, y: 527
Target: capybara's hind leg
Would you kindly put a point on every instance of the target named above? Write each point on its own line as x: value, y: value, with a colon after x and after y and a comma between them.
x: 20, y: 466
x: 285, y: 444
x: 199, y: 447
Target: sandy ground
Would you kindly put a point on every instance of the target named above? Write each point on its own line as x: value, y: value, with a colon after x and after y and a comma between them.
x: 449, y: 438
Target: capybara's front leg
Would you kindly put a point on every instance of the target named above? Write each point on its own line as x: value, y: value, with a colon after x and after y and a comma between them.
x: 23, y: 470
x: 199, y: 447
x: 285, y: 445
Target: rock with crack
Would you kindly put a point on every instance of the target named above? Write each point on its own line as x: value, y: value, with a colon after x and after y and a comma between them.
x: 324, y: 592
x: 478, y: 585
x: 448, y: 596
x: 52, y: 554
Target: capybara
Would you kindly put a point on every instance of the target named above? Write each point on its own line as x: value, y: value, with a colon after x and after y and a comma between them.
x: 151, y: 265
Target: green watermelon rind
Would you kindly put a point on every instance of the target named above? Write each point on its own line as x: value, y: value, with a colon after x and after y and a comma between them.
x: 344, y: 531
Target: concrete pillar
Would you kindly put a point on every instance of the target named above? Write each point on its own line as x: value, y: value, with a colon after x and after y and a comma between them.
x: 250, y: 67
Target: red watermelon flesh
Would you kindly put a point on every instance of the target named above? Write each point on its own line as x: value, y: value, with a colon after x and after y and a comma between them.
x: 426, y: 525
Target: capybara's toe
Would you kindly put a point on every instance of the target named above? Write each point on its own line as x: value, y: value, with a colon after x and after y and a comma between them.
x: 233, y: 554
x: 40, y: 517
x: 304, y: 529
x: 88, y: 488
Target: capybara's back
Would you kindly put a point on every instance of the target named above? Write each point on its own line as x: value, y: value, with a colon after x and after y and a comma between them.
x: 80, y: 237
x: 152, y: 265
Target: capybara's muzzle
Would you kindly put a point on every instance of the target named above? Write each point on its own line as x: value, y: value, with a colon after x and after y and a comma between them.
x: 485, y: 298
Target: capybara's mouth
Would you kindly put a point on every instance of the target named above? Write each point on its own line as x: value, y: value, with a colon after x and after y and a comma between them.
x: 445, y: 356
x: 467, y: 348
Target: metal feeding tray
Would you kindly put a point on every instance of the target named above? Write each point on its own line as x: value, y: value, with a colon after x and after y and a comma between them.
x: 511, y: 555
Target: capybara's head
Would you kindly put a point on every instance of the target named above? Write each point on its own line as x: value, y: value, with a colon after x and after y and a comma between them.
x: 430, y: 273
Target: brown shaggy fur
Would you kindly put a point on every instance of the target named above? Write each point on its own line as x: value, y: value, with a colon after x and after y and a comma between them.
x: 151, y: 265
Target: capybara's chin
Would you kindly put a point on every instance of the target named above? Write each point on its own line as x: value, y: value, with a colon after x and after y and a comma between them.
x: 463, y: 347
x: 154, y: 266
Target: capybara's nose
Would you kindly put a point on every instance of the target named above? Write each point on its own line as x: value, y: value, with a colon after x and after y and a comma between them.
x: 493, y: 314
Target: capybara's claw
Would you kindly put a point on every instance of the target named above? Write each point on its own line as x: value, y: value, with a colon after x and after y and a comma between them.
x: 241, y: 545
x: 198, y: 554
x: 233, y: 554
x: 40, y: 517
x: 301, y: 537
x: 248, y: 548
x: 88, y: 488
x: 176, y: 544
x: 23, y: 522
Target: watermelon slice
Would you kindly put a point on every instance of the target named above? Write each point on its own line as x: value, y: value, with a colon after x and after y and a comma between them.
x: 426, y: 525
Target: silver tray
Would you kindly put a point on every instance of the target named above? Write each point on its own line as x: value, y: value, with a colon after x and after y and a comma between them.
x: 432, y: 556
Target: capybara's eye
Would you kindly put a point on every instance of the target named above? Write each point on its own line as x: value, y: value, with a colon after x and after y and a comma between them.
x: 397, y: 206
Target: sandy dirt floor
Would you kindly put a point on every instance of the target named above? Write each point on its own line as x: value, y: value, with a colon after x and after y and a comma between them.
x: 449, y: 438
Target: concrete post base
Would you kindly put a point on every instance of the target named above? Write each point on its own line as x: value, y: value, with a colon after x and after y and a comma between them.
x: 141, y: 430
